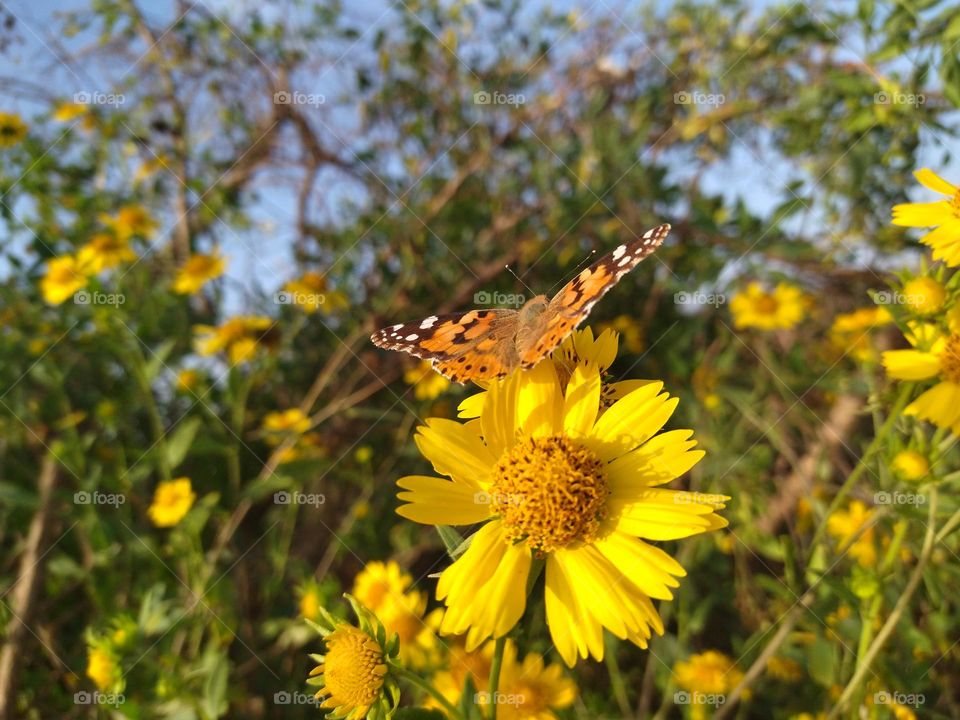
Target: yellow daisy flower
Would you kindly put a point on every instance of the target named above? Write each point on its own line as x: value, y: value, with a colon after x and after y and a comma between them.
x: 710, y: 672
x: 942, y: 215
x: 311, y: 293
x: 558, y: 486
x: 427, y: 383
x: 12, y: 129
x: 845, y: 524
x: 387, y: 591
x: 850, y: 332
x: 197, y: 271
x: 780, y: 309
x: 104, y: 252
x: 310, y: 597
x: 130, y: 221
x: 171, y: 501
x: 102, y: 667
x: 354, y: 673
x: 292, y: 421
x: 910, y: 465
x: 924, y: 295
x: 239, y: 337
x: 188, y: 380
x: 64, y: 277
x: 934, y: 355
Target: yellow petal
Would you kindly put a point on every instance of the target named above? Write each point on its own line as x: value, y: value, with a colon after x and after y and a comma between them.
x: 668, y: 515
x: 498, y: 420
x: 582, y: 402
x: 456, y: 450
x: 649, y: 568
x: 929, y: 179
x: 940, y: 405
x: 659, y: 460
x: 574, y: 630
x: 631, y: 421
x: 437, y: 501
x: 922, y: 214
x: 540, y: 404
x: 911, y: 364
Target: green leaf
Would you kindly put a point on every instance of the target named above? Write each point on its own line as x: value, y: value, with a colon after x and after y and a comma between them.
x: 215, y: 688
x: 820, y: 661
x: 180, y: 440
x: 157, y: 359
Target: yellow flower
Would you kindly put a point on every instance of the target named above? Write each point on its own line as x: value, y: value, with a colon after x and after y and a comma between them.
x: 64, y: 277
x: 130, y: 221
x: 924, y: 295
x: 292, y: 421
x: 910, y: 465
x: 104, y: 252
x: 710, y: 673
x: 387, y: 591
x: 171, y: 501
x: 12, y: 129
x: 354, y: 673
x: 427, y: 383
x: 311, y: 293
x: 784, y: 669
x: 934, y: 355
x: 844, y: 525
x: 943, y: 216
x: 68, y: 111
x: 188, y: 380
x: 310, y: 601
x: 552, y: 481
x: 850, y: 332
x: 528, y: 690
x: 198, y: 270
x: 239, y: 337
x: 102, y: 667
x: 782, y: 308
x: 630, y: 333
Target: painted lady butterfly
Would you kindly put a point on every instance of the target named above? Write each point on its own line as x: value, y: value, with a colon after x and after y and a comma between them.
x: 485, y: 344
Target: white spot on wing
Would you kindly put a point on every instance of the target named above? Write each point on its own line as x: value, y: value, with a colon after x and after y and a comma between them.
x: 619, y: 251
x: 411, y: 337
x: 428, y: 322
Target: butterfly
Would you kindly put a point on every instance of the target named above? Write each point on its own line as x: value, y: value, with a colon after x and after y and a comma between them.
x: 487, y: 344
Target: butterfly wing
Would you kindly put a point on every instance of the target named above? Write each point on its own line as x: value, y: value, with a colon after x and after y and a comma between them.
x: 573, y: 303
x: 474, y: 345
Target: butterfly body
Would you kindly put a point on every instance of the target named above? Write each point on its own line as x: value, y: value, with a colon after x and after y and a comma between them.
x: 490, y: 343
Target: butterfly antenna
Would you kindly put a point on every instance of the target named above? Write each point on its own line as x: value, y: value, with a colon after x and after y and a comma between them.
x: 587, y: 259
x: 527, y: 287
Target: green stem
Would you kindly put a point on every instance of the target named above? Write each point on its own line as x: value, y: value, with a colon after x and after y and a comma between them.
x: 495, y: 666
x: 902, y: 399
x: 617, y: 684
x: 428, y: 688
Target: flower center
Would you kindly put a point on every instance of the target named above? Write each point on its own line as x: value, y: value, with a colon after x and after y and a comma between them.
x: 353, y: 669
x: 950, y: 359
x: 766, y: 304
x: 550, y: 492
x: 955, y: 203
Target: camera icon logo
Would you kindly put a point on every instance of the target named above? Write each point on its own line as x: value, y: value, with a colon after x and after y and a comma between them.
x: 482, y: 498
x: 282, y: 97
x: 681, y: 697
x: 81, y: 298
x: 882, y: 98
x: 82, y: 98
x: 282, y: 698
x: 81, y: 498
x: 881, y: 698
x: 482, y: 298
x: 82, y: 698
x: 682, y: 98
x: 281, y: 498
x: 283, y: 298
x: 481, y: 97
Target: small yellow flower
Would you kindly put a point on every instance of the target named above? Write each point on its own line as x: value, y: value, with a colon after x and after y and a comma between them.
x: 130, y: 221
x: 844, y: 525
x: 363, y: 454
x: 188, y: 380
x: 102, y: 667
x: 197, y: 271
x: 784, y: 669
x: 850, y: 332
x: 104, y: 252
x: 171, y: 501
x: 354, y: 672
x: 68, y: 111
x: 310, y: 601
x: 427, y: 383
x: 710, y: 673
x: 291, y: 421
x: 910, y: 465
x: 64, y: 277
x: 12, y: 129
x: 311, y: 293
x: 239, y: 337
x: 631, y: 334
x: 924, y: 295
x: 942, y: 215
x: 780, y: 309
